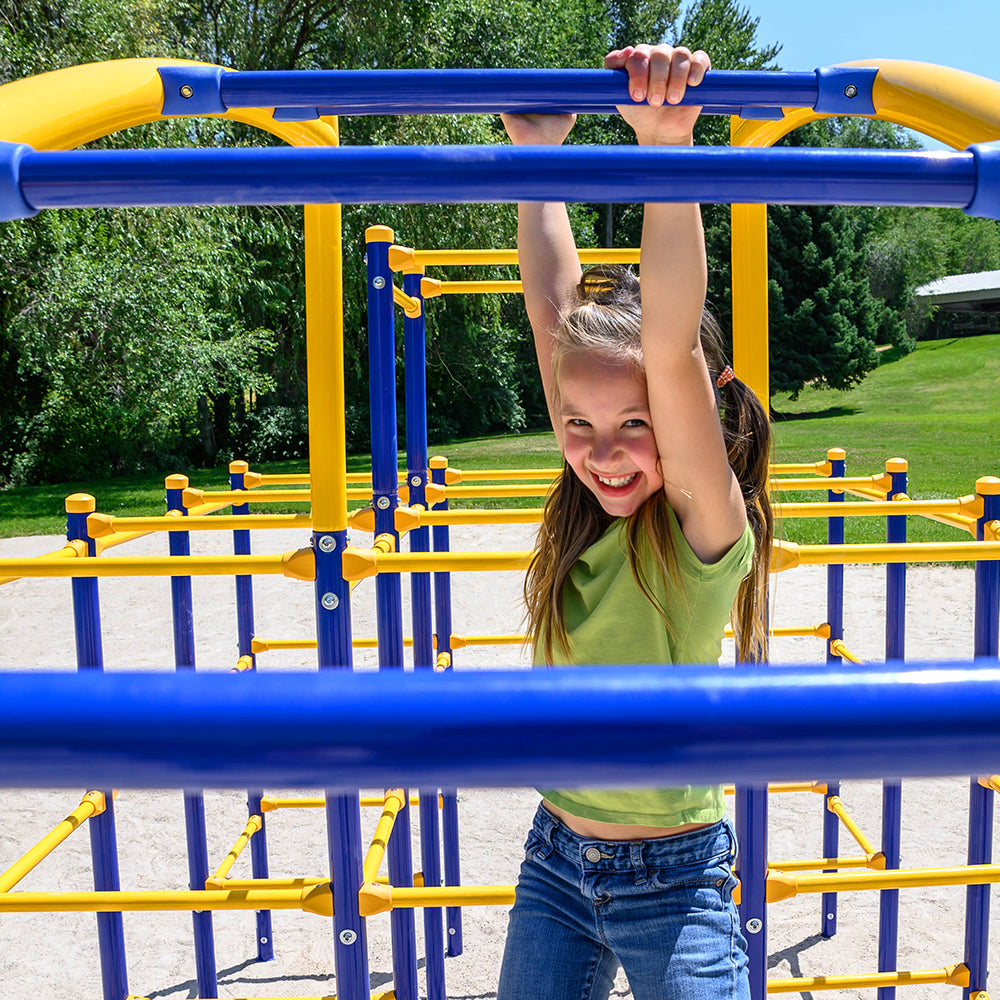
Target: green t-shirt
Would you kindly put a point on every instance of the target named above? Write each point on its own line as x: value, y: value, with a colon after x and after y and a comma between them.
x: 610, y: 621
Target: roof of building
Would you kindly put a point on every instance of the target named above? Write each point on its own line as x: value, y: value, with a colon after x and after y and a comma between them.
x: 981, y: 286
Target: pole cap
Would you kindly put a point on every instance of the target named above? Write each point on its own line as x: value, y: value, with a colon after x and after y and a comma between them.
x: 896, y: 465
x: 438, y: 462
x: 235, y: 468
x: 176, y: 482
x: 836, y: 454
x: 80, y: 503
x: 379, y: 234
x: 985, y: 486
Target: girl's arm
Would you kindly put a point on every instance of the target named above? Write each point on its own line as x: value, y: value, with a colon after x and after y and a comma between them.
x: 549, y: 264
x: 698, y: 481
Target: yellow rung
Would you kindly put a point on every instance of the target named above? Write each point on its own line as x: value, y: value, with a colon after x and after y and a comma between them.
x: 838, y: 648
x: 836, y: 806
x: 820, y: 864
x: 253, y: 826
x: 953, y: 975
x: 393, y: 801
x: 782, y: 886
x: 374, y: 898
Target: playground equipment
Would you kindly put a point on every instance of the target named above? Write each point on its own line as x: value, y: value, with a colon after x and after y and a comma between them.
x: 67, y: 730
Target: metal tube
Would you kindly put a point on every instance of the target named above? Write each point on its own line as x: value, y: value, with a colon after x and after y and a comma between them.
x: 935, y: 718
x: 458, y: 174
x: 127, y: 902
x: 253, y: 826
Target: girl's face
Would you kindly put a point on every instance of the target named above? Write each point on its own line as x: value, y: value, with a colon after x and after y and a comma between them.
x: 607, y: 432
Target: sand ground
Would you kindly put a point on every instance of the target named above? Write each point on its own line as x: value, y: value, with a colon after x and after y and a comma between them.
x: 55, y: 956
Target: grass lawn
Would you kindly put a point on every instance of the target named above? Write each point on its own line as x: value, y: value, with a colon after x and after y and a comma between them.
x: 934, y: 407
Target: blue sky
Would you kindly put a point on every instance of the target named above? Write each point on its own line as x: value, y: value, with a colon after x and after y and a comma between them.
x: 964, y: 34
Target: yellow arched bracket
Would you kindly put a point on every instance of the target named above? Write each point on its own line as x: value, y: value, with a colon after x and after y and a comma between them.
x: 952, y: 106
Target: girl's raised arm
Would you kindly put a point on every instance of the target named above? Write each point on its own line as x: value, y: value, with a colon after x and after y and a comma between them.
x: 549, y: 264
x: 698, y: 480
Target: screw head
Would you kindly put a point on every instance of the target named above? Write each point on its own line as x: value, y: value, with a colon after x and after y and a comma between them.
x: 263, y: 940
x: 415, y: 480
x: 187, y: 91
x: 829, y: 916
x: 348, y: 937
x: 327, y: 543
x: 382, y: 503
x: 378, y: 282
x: 330, y: 601
x: 754, y: 925
x: 850, y: 90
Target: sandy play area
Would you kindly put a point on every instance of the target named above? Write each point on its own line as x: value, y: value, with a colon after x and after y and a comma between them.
x: 55, y: 956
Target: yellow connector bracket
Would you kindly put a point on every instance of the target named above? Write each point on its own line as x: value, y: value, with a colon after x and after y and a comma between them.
x: 411, y: 306
x: 299, y: 564
x: 358, y: 564
x: 363, y: 519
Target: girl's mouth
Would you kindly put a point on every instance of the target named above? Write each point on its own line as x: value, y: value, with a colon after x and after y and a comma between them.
x: 615, y: 485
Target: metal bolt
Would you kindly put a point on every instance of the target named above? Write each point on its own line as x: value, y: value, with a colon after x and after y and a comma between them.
x: 829, y: 916
x: 451, y: 930
x: 415, y: 480
x: 348, y: 937
x: 754, y: 925
x: 383, y: 503
x: 378, y: 281
x: 263, y: 940
x: 850, y: 90
x: 327, y: 543
x: 330, y: 601
x: 187, y: 91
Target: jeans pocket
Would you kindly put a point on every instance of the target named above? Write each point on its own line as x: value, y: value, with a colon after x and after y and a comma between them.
x: 535, y: 846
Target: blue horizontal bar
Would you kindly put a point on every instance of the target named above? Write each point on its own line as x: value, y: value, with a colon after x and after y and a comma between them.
x: 635, y: 725
x: 451, y: 174
x: 457, y: 91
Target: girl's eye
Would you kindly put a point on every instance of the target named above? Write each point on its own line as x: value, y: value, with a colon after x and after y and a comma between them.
x: 578, y: 422
x: 635, y: 422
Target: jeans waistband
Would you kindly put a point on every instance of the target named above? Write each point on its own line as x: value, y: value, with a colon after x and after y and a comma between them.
x: 693, y: 847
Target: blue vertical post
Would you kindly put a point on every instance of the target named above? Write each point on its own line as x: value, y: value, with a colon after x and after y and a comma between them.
x: 441, y: 542
x: 892, y: 791
x: 987, y: 627
x: 103, y: 838
x: 244, y: 631
x: 751, y: 833
x: 182, y: 607
x: 835, y: 619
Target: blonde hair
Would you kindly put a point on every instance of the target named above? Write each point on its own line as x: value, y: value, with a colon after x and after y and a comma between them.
x: 606, y: 322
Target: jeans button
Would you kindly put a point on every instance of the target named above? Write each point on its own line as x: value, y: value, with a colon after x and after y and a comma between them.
x: 592, y: 854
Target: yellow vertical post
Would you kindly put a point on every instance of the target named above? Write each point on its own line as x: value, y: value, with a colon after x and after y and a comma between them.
x: 750, y: 313
x: 325, y: 360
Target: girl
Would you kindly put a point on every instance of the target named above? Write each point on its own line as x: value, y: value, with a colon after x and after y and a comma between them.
x: 659, y: 521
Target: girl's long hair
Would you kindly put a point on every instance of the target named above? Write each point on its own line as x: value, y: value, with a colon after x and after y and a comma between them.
x: 606, y: 322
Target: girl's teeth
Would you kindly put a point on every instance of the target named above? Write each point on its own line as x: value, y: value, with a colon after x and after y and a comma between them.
x: 618, y: 480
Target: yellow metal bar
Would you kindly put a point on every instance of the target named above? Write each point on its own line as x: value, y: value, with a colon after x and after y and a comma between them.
x: 400, y: 257
x: 431, y: 287
x: 953, y: 975
x: 285, y: 479
x: 325, y: 354
x: 838, y: 648
x: 481, y: 492
x: 442, y: 661
x: 875, y: 508
x: 801, y: 468
x: 786, y: 555
x: 394, y: 801
x: 314, y: 899
x: 749, y: 297
x: 268, y: 803
x: 102, y: 524
x: 782, y: 886
x: 844, y: 485
x: 225, y: 497
x: 835, y: 805
x: 992, y: 781
x: 288, y: 564
x: 361, y: 563
x: 253, y: 826
x: 408, y: 303
x: 92, y: 804
x: 214, y: 882
x: 243, y: 664
x: 430, y: 518
x: 787, y: 786
x: 376, y: 898
x: 818, y: 864
x: 453, y: 476
x: 820, y: 631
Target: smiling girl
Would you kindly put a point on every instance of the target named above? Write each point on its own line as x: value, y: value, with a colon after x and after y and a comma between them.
x: 658, y: 526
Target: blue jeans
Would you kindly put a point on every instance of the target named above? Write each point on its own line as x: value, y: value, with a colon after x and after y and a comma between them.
x: 662, y: 909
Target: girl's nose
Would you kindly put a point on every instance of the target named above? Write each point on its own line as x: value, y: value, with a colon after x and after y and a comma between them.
x: 605, y: 447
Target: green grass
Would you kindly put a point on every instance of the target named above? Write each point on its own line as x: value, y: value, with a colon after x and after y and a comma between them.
x: 937, y: 408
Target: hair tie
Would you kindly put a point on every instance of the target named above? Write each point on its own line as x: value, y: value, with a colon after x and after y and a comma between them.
x: 725, y: 376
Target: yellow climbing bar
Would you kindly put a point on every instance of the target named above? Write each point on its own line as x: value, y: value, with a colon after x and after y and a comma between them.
x: 394, y: 800
x: 838, y: 648
x: 254, y: 825
x: 842, y: 485
x: 193, y: 497
x: 970, y: 506
x: 784, y: 885
x: 787, y: 555
x: 361, y: 563
x: 406, y: 257
x: 837, y: 807
x: 92, y: 804
x: 821, y: 864
x: 99, y: 525
x: 953, y: 975
x: 431, y: 288
x: 377, y: 898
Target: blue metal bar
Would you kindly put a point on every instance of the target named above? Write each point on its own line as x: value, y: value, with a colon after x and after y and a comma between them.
x: 454, y: 91
x: 751, y: 834
x: 440, y: 540
x: 892, y: 791
x: 182, y: 608
x: 402, y: 925
x: 987, y: 626
x: 453, y: 174
x: 245, y: 631
x: 420, y: 606
x: 164, y: 730
x: 835, y: 619
x: 103, y: 838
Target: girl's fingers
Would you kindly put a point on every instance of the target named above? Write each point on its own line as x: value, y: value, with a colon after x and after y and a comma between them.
x: 677, y: 81
x: 700, y: 65
x: 660, y: 60
x: 659, y: 74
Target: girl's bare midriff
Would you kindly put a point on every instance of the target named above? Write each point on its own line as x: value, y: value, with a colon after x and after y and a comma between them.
x: 594, y: 829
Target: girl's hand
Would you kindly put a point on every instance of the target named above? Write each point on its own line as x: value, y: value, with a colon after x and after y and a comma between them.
x: 659, y: 74
x: 538, y: 130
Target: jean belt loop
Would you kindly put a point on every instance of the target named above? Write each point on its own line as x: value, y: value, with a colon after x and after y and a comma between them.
x: 549, y: 825
x: 733, y: 845
x: 638, y: 863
